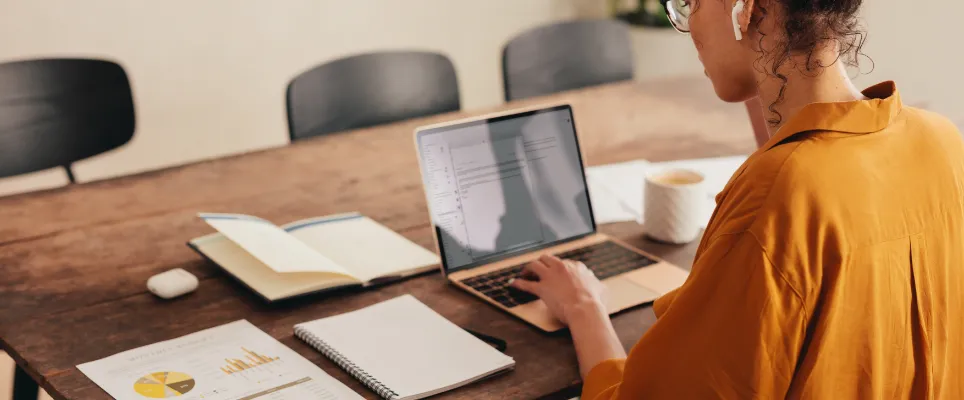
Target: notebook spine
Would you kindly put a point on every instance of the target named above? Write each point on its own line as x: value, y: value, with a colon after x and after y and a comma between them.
x: 346, y: 364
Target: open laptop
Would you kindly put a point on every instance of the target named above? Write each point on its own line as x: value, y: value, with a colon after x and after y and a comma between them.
x: 502, y: 190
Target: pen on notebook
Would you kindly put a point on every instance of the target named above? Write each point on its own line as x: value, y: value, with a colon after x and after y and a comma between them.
x: 499, y: 344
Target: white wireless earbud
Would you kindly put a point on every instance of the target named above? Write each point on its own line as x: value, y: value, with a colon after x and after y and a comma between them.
x: 737, y: 9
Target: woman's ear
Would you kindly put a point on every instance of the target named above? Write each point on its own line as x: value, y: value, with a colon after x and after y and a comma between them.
x: 747, y: 15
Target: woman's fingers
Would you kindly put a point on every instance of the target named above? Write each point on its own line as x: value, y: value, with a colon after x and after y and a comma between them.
x: 527, y: 286
x: 531, y: 273
x: 537, y: 268
x: 551, y: 261
x: 527, y: 274
x: 579, y: 265
x: 535, y: 272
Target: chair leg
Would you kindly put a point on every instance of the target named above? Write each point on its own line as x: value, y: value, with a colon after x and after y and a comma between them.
x: 70, y: 174
x: 24, y: 387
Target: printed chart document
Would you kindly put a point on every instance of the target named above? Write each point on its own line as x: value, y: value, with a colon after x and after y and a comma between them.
x: 236, y: 361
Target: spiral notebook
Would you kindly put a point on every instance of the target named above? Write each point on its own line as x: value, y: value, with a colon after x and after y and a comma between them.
x: 402, y: 349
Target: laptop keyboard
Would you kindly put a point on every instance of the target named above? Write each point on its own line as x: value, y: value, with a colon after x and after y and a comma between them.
x: 606, y: 259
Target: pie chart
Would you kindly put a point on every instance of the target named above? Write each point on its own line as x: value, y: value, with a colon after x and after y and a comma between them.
x: 161, y: 385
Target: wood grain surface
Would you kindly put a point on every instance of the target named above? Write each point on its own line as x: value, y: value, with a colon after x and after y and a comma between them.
x: 73, y: 261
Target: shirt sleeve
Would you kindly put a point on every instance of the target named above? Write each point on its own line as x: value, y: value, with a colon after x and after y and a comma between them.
x: 733, y: 331
x: 662, y: 303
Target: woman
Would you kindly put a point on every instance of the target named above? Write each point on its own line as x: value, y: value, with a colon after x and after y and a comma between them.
x: 832, y: 267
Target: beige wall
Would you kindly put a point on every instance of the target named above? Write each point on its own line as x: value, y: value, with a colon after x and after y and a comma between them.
x: 918, y: 44
x: 209, y: 76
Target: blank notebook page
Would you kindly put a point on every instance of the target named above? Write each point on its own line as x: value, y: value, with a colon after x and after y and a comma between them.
x: 408, y: 347
x: 364, y: 247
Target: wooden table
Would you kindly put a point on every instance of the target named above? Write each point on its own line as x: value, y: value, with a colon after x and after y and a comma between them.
x: 73, y: 261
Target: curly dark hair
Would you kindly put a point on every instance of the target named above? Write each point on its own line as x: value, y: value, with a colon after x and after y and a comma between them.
x: 810, y: 24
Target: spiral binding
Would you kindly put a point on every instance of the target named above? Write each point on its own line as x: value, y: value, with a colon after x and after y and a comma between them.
x: 346, y: 364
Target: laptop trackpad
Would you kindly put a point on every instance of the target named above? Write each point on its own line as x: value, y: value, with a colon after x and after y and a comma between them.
x: 624, y: 293
x: 661, y: 278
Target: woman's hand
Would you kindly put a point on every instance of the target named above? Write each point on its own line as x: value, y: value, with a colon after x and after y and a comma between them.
x: 565, y: 286
x: 576, y: 297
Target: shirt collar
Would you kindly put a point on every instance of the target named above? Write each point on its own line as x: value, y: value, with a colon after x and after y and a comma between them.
x: 859, y: 117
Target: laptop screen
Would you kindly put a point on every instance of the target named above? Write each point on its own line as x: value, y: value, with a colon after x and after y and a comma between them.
x: 504, y: 186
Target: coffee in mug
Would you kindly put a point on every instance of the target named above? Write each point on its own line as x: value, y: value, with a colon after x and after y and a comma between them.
x: 673, y: 205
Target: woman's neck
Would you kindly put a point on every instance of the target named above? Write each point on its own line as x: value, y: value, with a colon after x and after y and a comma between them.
x: 830, y: 85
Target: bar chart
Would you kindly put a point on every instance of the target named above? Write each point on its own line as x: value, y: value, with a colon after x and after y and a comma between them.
x: 251, y: 360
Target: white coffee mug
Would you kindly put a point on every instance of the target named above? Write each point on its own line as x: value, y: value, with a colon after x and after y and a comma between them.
x: 673, y: 204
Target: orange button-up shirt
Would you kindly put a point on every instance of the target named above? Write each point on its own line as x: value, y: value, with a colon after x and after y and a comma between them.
x: 833, y: 268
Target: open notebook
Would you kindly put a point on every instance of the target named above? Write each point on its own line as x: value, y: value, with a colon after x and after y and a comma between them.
x: 402, y: 349
x: 310, y: 255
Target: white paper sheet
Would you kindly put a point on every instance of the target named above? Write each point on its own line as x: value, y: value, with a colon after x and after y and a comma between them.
x: 623, y: 183
x: 230, y: 362
x: 606, y: 206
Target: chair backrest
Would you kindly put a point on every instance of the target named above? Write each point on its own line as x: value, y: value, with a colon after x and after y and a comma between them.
x: 566, y: 56
x: 54, y: 112
x: 370, y: 89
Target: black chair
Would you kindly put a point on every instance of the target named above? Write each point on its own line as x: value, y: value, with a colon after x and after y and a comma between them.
x: 54, y: 112
x: 24, y: 387
x: 370, y: 89
x: 566, y: 56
